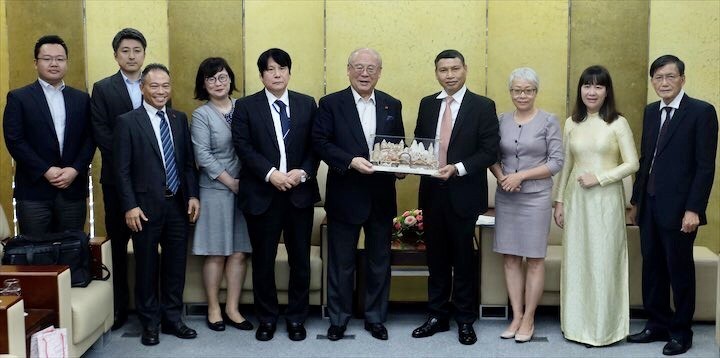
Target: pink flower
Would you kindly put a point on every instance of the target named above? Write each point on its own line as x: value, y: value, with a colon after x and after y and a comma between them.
x: 406, y: 214
x: 419, y: 217
x: 421, y: 226
x: 417, y: 212
x: 410, y: 221
x: 397, y: 225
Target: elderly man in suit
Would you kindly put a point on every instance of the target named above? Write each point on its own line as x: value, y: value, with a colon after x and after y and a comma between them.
x: 47, y: 132
x: 111, y: 97
x: 272, y: 136
x: 670, y: 196
x: 157, y: 182
x: 357, y: 197
x: 467, y: 126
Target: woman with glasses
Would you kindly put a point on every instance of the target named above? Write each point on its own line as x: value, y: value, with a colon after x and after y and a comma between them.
x: 530, y: 153
x: 221, y: 232
x: 590, y: 207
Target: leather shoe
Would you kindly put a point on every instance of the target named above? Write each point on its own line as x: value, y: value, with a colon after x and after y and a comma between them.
x: 296, y: 331
x: 218, y: 326
x: 431, y: 326
x: 377, y: 330
x: 336, y: 333
x: 675, y: 347
x: 648, y: 335
x: 150, y: 336
x: 178, y: 329
x: 466, y: 334
x: 244, y: 325
x: 120, y: 320
x: 265, y: 331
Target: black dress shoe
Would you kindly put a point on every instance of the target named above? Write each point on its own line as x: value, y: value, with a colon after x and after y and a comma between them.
x: 296, y: 331
x: 336, y: 333
x: 377, y: 330
x: 178, y: 329
x: 120, y: 320
x: 466, y: 334
x: 218, y: 326
x: 648, y: 335
x: 675, y: 347
x: 431, y: 326
x: 265, y: 331
x: 150, y: 337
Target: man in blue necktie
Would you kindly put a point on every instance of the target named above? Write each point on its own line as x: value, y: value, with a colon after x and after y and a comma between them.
x: 158, y: 187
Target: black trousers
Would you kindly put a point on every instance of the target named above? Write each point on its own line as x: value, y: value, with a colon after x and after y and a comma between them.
x: 37, y: 217
x: 167, y: 228
x: 119, y: 234
x: 668, y: 263
x: 342, y: 245
x: 451, y: 259
x: 295, y: 225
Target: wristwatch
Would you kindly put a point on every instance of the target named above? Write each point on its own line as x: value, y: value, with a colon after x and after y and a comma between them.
x: 304, y: 177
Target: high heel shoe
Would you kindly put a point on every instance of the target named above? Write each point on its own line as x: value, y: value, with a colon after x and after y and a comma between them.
x: 508, y: 334
x: 522, y: 338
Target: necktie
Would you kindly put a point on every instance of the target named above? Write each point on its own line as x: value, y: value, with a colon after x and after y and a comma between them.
x: 445, y: 131
x: 171, y: 175
x: 663, y: 130
x: 284, y: 119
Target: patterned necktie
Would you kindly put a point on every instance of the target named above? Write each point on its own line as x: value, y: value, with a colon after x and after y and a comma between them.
x: 171, y: 174
x: 284, y: 120
x: 663, y: 131
x: 445, y: 131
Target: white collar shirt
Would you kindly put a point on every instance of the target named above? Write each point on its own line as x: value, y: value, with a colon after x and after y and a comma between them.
x: 133, y: 88
x: 56, y: 104
x: 366, y: 109
x: 155, y: 122
x: 275, y: 111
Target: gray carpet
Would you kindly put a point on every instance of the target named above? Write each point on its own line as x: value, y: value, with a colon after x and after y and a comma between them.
x: 548, y: 341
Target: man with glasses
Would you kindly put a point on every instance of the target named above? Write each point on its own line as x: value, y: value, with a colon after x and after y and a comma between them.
x: 111, y: 97
x: 357, y: 197
x: 47, y: 132
x: 271, y: 132
x: 670, y: 196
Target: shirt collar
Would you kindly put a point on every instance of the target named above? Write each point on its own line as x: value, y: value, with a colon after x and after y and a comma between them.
x: 457, y: 97
x: 271, y: 97
x: 127, y: 79
x: 46, y: 85
x: 675, y: 103
x: 152, y: 110
x: 357, y: 96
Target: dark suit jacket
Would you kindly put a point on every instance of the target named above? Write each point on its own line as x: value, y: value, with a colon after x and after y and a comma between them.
x: 255, y: 142
x: 31, y: 140
x: 139, y: 169
x: 684, y: 164
x: 338, y: 138
x: 474, y: 142
x: 110, y: 99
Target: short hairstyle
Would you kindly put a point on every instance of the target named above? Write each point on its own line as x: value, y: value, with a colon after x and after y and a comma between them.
x: 128, y: 33
x: 596, y: 75
x: 526, y: 74
x: 152, y: 67
x: 666, y: 60
x: 208, y: 68
x: 281, y: 57
x: 365, y: 49
x: 50, y: 39
x: 449, y: 54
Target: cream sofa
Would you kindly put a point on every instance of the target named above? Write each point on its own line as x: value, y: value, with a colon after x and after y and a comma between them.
x: 194, y: 293
x: 493, y: 291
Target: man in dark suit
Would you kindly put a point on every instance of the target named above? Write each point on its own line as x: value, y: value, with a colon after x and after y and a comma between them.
x: 157, y: 182
x: 467, y: 126
x: 111, y: 97
x: 47, y: 132
x: 670, y: 195
x: 272, y: 136
x: 356, y: 196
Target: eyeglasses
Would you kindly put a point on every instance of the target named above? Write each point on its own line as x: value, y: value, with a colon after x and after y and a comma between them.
x: 669, y: 78
x: 221, y: 78
x: 527, y: 91
x: 359, y: 69
x: 59, y: 60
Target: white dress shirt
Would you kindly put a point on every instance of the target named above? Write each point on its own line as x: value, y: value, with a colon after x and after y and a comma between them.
x: 133, y: 88
x: 56, y: 104
x: 454, y: 108
x: 155, y: 122
x: 368, y: 116
x: 275, y: 111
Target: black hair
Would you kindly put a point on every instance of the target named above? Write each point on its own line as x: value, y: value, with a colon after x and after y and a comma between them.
x: 666, y: 60
x: 50, y: 39
x: 281, y: 57
x: 449, y: 54
x: 151, y: 67
x: 596, y: 75
x: 128, y: 34
x: 208, y: 68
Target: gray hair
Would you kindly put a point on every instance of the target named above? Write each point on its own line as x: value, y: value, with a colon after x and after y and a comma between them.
x: 365, y: 49
x: 524, y: 73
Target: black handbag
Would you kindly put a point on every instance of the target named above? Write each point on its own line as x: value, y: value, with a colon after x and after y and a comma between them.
x: 71, y: 248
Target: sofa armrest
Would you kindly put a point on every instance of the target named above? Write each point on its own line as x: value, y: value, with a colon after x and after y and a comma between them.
x: 12, y: 326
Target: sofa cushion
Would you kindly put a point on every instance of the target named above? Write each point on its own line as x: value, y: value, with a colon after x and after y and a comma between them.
x: 553, y: 262
x: 91, y: 306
